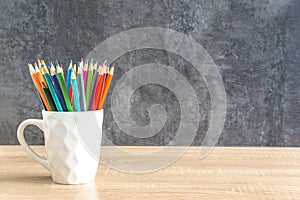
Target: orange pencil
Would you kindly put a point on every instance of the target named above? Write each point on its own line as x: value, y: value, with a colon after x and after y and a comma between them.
x: 40, y: 75
x: 107, y: 84
x: 105, y: 72
x: 38, y: 85
x: 98, y: 88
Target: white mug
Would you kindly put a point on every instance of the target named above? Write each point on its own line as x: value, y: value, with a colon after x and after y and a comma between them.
x: 72, y: 143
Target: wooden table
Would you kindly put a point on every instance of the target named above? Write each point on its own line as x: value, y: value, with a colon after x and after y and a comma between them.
x: 227, y: 173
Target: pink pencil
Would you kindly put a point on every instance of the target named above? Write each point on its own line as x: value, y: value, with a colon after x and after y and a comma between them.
x: 85, y: 72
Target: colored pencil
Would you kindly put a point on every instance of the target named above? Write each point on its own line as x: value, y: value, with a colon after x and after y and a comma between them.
x: 42, y: 64
x: 98, y: 86
x: 79, y: 65
x: 95, y: 67
x: 71, y: 88
x: 81, y: 89
x: 85, y: 72
x: 38, y: 86
x: 75, y: 92
x: 75, y: 69
x: 41, y: 79
x: 89, y: 82
x: 107, y: 84
x: 106, y: 71
x: 63, y: 87
x: 49, y: 97
x: 51, y: 88
x: 57, y: 87
x: 84, y: 87
x: 39, y: 63
x: 68, y: 78
x: 40, y: 75
x: 93, y: 88
x: 58, y: 65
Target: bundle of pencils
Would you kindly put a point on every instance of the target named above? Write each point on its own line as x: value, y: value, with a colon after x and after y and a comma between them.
x: 83, y: 88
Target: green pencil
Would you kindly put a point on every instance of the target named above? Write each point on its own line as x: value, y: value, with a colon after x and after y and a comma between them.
x: 89, y: 83
x: 49, y: 98
x: 63, y: 87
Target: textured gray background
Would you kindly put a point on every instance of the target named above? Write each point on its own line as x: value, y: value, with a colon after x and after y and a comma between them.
x: 254, y: 43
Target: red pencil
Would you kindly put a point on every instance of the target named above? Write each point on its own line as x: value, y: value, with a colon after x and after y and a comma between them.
x: 106, y: 71
x: 108, y: 79
x: 99, y: 84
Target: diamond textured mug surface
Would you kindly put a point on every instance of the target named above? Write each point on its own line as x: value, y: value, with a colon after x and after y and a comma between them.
x: 72, y: 142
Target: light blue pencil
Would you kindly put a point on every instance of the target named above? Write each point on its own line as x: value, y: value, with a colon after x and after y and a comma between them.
x: 75, y: 91
x: 69, y: 76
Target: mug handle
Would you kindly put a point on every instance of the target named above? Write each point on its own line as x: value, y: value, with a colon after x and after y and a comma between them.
x: 28, y: 149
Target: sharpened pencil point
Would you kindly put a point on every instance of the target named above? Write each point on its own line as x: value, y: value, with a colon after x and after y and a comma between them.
x: 70, y: 65
x: 73, y: 76
x: 52, y: 70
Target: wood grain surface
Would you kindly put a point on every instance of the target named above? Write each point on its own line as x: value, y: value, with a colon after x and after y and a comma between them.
x: 226, y: 173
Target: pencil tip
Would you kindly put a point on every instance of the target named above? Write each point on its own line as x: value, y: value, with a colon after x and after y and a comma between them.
x: 43, y: 85
x: 104, y: 62
x: 73, y: 76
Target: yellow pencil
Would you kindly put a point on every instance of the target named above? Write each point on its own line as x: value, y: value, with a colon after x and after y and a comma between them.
x: 40, y: 75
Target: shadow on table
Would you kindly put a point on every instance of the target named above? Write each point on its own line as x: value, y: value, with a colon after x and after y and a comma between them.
x: 42, y: 186
x: 28, y: 180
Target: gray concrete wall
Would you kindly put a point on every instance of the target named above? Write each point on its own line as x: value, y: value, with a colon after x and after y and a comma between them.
x: 254, y: 43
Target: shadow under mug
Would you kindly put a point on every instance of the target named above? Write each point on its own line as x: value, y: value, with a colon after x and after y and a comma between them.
x: 72, y: 143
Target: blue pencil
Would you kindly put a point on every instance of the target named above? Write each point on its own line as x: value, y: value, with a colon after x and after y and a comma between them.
x: 68, y: 78
x: 57, y: 88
